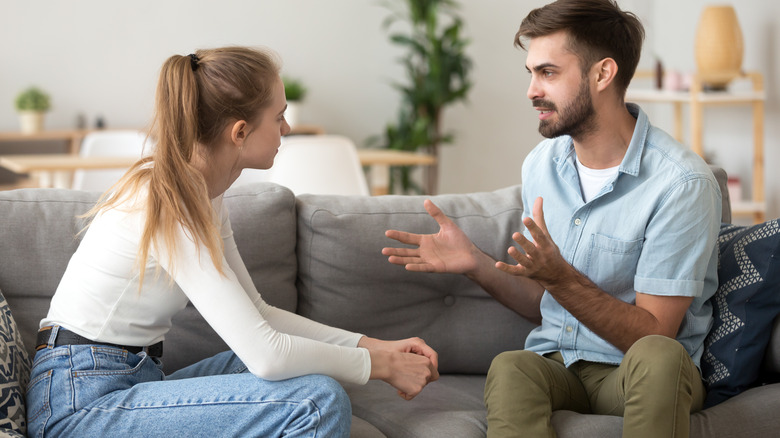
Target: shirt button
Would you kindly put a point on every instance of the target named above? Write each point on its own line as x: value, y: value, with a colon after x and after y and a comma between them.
x: 569, y: 329
x: 577, y: 222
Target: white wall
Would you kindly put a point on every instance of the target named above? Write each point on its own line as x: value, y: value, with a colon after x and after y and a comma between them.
x: 102, y: 58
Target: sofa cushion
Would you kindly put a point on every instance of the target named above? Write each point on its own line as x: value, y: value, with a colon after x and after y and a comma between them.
x: 745, y: 306
x: 344, y: 280
x: 39, y: 233
x: 450, y: 407
x: 14, y: 373
x: 44, y: 223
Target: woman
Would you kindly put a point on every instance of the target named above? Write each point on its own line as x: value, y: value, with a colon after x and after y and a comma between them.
x: 162, y: 238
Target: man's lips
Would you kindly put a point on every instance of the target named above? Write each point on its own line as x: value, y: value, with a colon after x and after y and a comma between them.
x: 544, y: 113
x: 546, y: 109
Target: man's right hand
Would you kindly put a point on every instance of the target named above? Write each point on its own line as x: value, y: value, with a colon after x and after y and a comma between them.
x: 448, y: 251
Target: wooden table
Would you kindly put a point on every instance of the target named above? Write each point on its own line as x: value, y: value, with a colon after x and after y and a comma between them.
x: 72, y: 136
x: 53, y: 170
x: 380, y: 161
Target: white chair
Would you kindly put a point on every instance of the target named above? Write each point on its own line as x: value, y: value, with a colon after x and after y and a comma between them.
x: 317, y: 164
x: 113, y: 143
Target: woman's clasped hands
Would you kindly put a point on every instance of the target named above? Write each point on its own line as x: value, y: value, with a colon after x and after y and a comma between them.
x: 408, y: 365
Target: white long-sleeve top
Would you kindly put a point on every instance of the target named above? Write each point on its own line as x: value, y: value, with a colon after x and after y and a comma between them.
x: 99, y: 298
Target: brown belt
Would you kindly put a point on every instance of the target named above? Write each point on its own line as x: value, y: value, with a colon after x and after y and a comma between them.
x: 66, y: 337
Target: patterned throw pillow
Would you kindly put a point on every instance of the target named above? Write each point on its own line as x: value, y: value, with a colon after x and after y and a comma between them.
x: 14, y: 374
x: 744, y: 306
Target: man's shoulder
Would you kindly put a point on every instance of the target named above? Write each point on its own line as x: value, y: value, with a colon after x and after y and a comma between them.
x: 666, y: 156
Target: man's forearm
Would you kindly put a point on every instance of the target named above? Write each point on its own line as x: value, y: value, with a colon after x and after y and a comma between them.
x: 616, y: 321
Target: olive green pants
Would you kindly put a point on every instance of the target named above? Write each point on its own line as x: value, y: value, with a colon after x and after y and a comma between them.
x: 655, y: 389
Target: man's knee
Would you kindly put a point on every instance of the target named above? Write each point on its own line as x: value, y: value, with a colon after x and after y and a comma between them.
x: 656, y: 354
x: 511, y: 363
x: 655, y: 347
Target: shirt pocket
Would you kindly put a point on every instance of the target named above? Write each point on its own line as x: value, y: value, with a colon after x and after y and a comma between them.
x: 612, y: 263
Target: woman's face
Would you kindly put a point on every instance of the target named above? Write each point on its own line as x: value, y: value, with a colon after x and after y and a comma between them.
x: 265, y: 135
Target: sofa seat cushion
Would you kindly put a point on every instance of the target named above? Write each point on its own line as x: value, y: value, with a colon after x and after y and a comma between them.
x: 450, y: 407
x: 345, y: 281
x: 744, y: 306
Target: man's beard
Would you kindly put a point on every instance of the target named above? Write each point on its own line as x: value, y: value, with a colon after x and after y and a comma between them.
x: 576, y: 119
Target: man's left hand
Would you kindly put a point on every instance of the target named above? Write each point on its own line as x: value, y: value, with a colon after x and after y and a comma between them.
x: 542, y: 260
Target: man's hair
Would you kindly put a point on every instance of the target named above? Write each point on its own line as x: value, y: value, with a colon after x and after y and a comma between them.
x: 596, y: 29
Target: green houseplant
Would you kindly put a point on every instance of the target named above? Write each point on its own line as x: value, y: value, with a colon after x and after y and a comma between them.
x: 294, y: 91
x: 31, y: 104
x: 436, y: 69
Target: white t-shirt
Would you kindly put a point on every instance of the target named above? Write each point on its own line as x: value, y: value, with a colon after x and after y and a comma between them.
x: 99, y: 298
x: 593, y: 180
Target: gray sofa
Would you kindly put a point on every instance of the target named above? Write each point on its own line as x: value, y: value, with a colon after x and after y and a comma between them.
x: 320, y: 256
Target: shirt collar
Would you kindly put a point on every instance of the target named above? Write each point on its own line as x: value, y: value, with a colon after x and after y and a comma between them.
x: 633, y: 157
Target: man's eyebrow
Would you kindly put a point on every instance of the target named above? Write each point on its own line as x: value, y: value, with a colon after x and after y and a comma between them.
x: 541, y: 67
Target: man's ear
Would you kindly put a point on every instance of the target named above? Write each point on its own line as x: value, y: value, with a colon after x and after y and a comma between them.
x: 238, y: 132
x: 606, y: 71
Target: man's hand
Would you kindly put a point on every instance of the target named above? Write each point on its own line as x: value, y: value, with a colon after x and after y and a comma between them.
x: 449, y: 250
x: 542, y: 260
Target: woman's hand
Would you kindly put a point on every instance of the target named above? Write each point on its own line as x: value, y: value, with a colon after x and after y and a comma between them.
x: 408, y: 365
x: 449, y: 250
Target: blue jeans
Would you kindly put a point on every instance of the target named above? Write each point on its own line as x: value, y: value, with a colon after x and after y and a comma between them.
x: 93, y: 390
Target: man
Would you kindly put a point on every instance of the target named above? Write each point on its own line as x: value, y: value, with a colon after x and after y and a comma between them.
x: 618, y: 257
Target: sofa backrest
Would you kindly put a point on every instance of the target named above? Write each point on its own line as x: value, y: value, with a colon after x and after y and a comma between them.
x: 39, y: 231
x: 344, y: 280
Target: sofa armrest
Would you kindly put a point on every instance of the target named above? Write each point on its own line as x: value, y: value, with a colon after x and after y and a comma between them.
x: 722, y: 178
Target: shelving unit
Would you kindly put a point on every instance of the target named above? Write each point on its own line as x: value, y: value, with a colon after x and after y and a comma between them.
x: 697, y: 99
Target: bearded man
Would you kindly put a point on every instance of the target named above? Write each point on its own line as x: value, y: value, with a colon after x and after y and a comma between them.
x: 618, y: 259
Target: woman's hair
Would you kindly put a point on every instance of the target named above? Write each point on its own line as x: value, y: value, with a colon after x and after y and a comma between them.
x: 596, y: 29
x: 197, y: 97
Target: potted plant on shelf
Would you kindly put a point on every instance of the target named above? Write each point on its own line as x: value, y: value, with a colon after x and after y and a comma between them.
x: 31, y: 104
x: 295, y: 91
x: 437, y: 70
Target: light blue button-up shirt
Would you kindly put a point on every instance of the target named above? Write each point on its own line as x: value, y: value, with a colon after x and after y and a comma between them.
x: 651, y: 229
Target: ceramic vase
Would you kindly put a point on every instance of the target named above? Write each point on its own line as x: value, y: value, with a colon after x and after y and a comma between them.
x: 719, y: 46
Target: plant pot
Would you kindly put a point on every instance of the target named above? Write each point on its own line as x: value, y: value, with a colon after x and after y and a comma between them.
x: 719, y: 46
x: 31, y: 121
x: 291, y: 115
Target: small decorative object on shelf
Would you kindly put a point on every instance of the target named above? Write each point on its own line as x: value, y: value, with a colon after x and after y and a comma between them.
x: 294, y: 91
x: 719, y: 47
x: 31, y: 104
x: 734, y: 186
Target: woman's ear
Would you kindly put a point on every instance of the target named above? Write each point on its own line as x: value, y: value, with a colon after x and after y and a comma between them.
x: 238, y: 132
x: 606, y: 72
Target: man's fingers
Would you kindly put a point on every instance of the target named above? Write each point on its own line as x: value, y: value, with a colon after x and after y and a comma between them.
x: 404, y: 237
x: 400, y: 252
x: 511, y: 269
x: 537, y: 233
x: 396, y: 260
x: 436, y: 213
x: 538, y: 211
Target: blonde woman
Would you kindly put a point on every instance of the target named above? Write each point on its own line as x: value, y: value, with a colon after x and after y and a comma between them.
x: 161, y: 238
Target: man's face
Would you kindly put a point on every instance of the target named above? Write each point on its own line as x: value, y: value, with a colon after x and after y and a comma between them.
x: 558, y: 89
